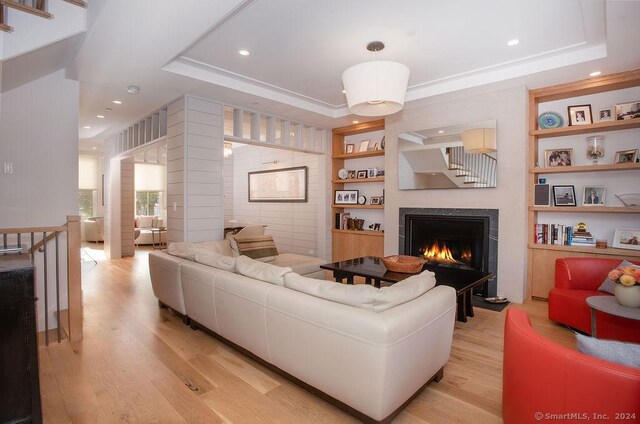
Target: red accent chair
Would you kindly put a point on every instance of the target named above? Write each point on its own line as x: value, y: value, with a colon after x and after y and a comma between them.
x: 541, y: 376
x: 577, y: 279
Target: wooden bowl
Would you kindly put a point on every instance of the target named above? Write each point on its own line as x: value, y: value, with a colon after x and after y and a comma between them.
x: 403, y: 263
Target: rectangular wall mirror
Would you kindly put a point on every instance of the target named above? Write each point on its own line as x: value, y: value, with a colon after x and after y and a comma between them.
x: 458, y: 156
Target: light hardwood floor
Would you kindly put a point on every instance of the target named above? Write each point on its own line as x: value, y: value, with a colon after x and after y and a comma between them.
x: 138, y: 363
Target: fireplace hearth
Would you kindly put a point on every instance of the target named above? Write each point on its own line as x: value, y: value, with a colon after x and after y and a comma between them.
x: 459, y: 238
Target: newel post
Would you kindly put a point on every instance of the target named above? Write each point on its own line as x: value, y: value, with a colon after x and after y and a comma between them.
x: 74, y: 277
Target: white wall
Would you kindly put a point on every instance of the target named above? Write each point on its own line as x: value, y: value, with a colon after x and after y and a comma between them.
x: 295, y: 227
x: 509, y: 107
x: 227, y: 166
x: 39, y: 135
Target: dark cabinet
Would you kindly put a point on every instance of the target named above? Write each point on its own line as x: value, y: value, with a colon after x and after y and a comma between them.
x: 19, y: 382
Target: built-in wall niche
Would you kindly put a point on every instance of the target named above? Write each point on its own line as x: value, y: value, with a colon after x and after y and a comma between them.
x: 457, y: 156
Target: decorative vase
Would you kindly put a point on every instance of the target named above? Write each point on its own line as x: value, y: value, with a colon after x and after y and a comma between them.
x: 595, y: 147
x: 627, y: 295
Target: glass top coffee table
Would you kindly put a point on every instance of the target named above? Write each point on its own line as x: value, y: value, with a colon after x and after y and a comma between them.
x: 374, y: 272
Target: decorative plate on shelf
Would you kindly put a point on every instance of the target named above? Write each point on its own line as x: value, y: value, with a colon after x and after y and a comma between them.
x: 362, y: 200
x: 343, y: 173
x: 550, y: 120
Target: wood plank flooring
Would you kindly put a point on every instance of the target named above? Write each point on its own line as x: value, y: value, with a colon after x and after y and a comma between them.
x: 138, y: 363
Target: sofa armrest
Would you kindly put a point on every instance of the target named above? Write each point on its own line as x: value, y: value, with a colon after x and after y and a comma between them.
x: 540, y: 375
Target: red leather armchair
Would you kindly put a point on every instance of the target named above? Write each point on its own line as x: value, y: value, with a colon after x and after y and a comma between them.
x: 542, y: 377
x: 576, y: 279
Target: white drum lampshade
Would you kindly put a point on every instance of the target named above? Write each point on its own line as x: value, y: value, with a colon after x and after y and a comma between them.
x: 376, y: 88
x: 479, y: 140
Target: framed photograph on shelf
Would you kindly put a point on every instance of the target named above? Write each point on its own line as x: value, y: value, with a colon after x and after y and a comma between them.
x: 376, y: 200
x: 605, y: 114
x: 626, y: 156
x: 557, y: 157
x: 628, y: 110
x: 362, y: 173
x: 593, y: 195
x: 364, y: 146
x: 351, y: 174
x: 564, y: 195
x: 345, y: 197
x: 542, y: 195
x: 350, y: 148
x: 371, y: 172
x: 627, y: 238
x: 580, y: 115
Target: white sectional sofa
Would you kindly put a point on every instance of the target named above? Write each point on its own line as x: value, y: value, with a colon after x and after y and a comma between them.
x: 368, y: 350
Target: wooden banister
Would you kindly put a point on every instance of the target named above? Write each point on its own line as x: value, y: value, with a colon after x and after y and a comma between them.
x: 74, y: 329
x: 23, y: 7
x: 41, y: 243
x: 80, y: 3
x: 3, y: 23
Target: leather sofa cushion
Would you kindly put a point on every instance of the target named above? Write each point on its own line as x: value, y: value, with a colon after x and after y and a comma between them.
x: 261, y: 271
x: 362, y: 295
x: 216, y: 260
x: 187, y: 250
x: 300, y: 264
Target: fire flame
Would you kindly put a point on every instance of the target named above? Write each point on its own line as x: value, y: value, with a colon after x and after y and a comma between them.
x: 442, y: 254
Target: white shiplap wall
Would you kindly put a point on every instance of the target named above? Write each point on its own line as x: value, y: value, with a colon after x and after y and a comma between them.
x: 194, y: 170
x: 228, y: 188
x: 295, y: 227
x: 127, y: 206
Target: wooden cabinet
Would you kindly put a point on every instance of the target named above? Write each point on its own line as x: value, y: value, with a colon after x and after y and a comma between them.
x: 19, y: 385
x: 348, y: 244
x: 541, y: 257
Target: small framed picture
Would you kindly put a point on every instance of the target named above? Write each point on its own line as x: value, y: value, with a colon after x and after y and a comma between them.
x: 564, y: 195
x: 371, y: 173
x: 351, y: 174
x: 605, y: 114
x: 628, y: 110
x: 593, y: 195
x: 376, y: 226
x: 542, y: 195
x: 580, y: 115
x: 626, y: 156
x: 557, y: 157
x: 362, y: 173
x: 376, y: 200
x: 364, y: 145
x: 345, y: 197
x: 627, y: 238
x: 350, y: 148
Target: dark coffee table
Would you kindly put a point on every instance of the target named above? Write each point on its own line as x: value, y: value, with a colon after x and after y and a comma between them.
x: 374, y: 272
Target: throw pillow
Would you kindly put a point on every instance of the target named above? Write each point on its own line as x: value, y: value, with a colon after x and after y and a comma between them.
x: 248, y: 231
x: 256, y: 247
x: 145, y: 222
x: 627, y: 354
x: 216, y: 260
x: 261, y: 271
x: 608, y: 285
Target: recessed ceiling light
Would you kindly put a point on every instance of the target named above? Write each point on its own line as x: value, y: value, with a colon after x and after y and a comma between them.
x: 595, y: 74
x: 86, y: 127
x: 94, y: 148
x: 344, y: 91
x: 133, y: 89
x: 118, y: 102
x: 356, y: 122
x: 100, y: 116
x: 513, y: 42
x: 243, y: 52
x: 441, y: 132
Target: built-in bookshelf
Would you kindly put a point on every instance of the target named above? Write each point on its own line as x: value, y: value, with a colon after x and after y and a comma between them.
x: 617, y: 88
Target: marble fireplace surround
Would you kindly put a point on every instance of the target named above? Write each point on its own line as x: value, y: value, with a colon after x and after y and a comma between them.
x: 492, y: 214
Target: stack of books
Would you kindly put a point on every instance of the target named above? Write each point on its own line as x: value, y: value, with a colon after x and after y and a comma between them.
x: 553, y: 234
x: 583, y: 238
x: 341, y: 220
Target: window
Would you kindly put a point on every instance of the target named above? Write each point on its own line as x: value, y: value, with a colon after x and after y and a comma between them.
x: 85, y: 201
x: 148, y: 202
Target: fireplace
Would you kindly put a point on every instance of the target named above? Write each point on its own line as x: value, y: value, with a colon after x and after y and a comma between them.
x: 460, y: 238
